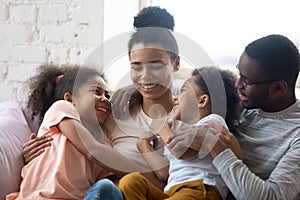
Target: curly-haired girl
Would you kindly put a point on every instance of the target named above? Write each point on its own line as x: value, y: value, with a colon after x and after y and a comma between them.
x: 73, y: 104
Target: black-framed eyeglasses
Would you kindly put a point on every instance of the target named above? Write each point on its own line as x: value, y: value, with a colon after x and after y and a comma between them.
x: 242, y: 79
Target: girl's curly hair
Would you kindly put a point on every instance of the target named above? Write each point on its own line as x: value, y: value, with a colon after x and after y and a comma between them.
x: 51, y: 82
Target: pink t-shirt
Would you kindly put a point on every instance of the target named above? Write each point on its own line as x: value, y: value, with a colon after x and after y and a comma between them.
x: 61, y: 172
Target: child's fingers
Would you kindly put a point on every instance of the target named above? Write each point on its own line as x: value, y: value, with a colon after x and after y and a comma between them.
x: 226, y: 136
x: 147, y: 135
x: 32, y: 136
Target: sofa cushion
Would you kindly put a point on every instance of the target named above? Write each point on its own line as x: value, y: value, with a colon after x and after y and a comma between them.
x: 14, y: 132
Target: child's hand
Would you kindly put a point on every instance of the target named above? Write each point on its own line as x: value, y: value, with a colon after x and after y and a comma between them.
x: 145, y: 140
x: 231, y: 141
x: 149, y: 142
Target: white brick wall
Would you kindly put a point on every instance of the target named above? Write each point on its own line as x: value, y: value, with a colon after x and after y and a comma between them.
x: 3, y: 72
x: 53, y: 13
x: 16, y: 33
x: 34, y: 32
x: 3, y: 12
x: 23, y: 14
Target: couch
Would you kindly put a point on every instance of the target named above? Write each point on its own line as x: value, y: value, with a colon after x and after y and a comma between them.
x: 15, y: 128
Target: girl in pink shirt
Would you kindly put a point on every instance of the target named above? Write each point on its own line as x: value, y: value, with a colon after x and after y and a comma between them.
x: 73, y: 104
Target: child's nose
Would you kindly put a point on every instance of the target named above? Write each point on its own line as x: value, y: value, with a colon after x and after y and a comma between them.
x: 239, y: 83
x: 104, y: 99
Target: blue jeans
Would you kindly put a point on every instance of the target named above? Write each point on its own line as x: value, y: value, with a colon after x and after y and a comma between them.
x: 104, y: 190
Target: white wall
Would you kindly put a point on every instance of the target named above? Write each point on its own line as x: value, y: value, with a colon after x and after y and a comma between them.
x: 34, y: 32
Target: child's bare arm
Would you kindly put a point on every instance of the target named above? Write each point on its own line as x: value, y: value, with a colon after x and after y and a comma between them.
x: 95, y: 151
x: 159, y: 164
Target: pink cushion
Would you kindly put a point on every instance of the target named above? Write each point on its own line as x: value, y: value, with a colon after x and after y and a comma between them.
x: 14, y: 132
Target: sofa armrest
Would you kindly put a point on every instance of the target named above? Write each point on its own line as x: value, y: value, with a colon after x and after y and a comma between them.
x: 14, y: 132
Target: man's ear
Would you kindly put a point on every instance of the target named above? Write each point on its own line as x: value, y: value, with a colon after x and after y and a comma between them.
x: 176, y: 64
x: 203, y: 101
x: 279, y: 87
x: 68, y: 97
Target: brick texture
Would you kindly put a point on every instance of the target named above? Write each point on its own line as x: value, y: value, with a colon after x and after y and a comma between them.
x: 36, y: 32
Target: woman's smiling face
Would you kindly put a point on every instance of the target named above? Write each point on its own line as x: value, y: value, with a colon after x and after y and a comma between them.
x: 151, y: 70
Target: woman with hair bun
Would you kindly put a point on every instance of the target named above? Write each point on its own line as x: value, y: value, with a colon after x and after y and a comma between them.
x: 154, y: 57
x: 154, y: 16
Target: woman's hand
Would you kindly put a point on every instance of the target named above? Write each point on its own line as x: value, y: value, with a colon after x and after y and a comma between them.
x: 35, y: 146
x: 201, y: 139
x: 186, y: 137
x: 120, y: 100
x: 206, y: 139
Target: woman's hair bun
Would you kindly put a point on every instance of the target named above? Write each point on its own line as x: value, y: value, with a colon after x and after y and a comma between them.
x: 154, y: 16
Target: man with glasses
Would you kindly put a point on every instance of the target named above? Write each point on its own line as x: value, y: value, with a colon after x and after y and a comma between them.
x: 269, y: 126
x: 246, y: 81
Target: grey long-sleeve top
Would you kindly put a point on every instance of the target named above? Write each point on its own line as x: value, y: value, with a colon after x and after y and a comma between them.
x: 271, y: 144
